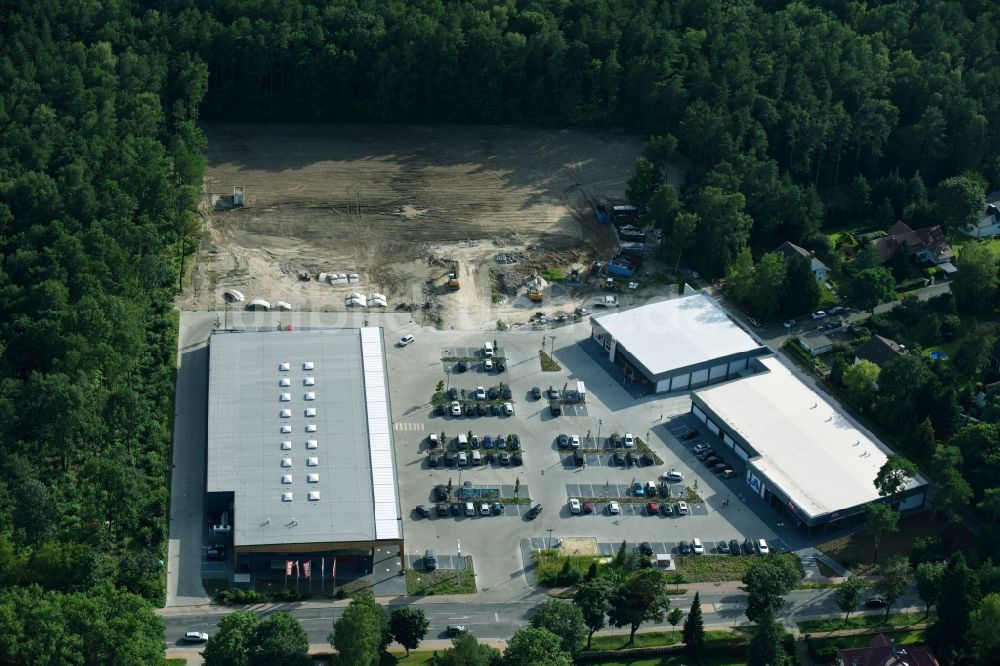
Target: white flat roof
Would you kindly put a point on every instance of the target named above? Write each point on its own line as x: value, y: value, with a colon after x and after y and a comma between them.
x: 677, y: 333
x: 816, y: 456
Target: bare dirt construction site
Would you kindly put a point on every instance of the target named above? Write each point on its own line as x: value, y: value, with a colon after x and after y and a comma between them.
x: 397, y: 205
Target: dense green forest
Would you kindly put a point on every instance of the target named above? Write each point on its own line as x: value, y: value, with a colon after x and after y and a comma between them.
x: 786, y: 116
x: 100, y: 171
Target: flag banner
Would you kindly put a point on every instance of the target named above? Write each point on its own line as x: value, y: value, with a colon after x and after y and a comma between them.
x: 307, y: 568
x: 333, y: 569
x: 297, y: 569
x: 288, y: 567
x: 322, y: 568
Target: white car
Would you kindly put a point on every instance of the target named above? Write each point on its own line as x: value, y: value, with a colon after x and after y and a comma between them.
x: 195, y: 636
x: 456, y: 408
x: 697, y: 547
x: 762, y: 547
x: 673, y: 476
x: 629, y: 440
x: 614, y: 509
x: 701, y: 447
x: 574, y: 506
x: 819, y: 314
x: 484, y: 509
x: 574, y: 442
x: 508, y: 409
x: 405, y: 340
x: 480, y: 393
x: 432, y: 441
x: 488, y: 364
x: 682, y: 508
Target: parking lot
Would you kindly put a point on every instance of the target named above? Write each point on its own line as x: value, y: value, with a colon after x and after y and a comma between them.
x: 549, y: 475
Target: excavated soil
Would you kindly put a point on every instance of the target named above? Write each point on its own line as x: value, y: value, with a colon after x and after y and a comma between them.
x: 397, y: 205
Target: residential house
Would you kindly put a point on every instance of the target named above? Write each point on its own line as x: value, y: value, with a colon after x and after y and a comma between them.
x: 989, y: 222
x: 815, y: 343
x: 819, y: 269
x: 878, y: 350
x: 883, y: 652
x: 927, y: 245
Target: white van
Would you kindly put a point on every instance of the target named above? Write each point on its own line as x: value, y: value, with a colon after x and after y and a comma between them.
x: 488, y: 349
x: 470, y: 509
x: 463, y: 441
x: 477, y: 459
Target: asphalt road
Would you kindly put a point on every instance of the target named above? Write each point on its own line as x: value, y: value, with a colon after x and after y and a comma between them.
x: 486, y: 619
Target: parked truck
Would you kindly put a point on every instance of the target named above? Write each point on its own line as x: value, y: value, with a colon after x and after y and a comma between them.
x: 607, y: 302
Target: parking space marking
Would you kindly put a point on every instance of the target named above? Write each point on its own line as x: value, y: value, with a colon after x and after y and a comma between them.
x: 408, y: 426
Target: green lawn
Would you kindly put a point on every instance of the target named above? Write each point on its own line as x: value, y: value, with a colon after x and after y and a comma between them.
x: 675, y: 660
x: 174, y: 662
x: 652, y: 639
x: 548, y: 564
x: 864, y: 622
x: 442, y: 581
x: 915, y: 637
x: 992, y: 244
x: 714, y: 568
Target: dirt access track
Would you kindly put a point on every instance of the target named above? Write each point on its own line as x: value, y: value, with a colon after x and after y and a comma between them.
x: 396, y: 204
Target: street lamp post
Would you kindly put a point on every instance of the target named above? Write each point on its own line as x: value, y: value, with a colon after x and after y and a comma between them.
x: 599, y: 424
x: 448, y: 374
x: 550, y: 538
x: 552, y: 346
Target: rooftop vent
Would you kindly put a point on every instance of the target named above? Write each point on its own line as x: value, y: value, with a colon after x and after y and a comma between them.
x: 286, y: 429
x: 309, y: 381
x: 311, y: 427
x: 313, y: 495
x: 312, y: 462
x: 310, y: 396
x: 286, y: 478
x: 308, y: 365
x: 286, y: 446
x: 311, y: 444
x: 313, y: 478
x: 284, y: 366
x: 284, y: 381
x: 285, y: 397
x: 311, y: 411
x: 286, y: 462
x: 286, y: 497
x: 286, y: 413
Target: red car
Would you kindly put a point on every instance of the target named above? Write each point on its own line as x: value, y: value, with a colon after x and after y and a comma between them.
x: 653, y: 508
x: 588, y: 507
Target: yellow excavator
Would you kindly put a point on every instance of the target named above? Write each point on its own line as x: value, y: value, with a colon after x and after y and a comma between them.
x: 535, y: 289
x: 453, y: 282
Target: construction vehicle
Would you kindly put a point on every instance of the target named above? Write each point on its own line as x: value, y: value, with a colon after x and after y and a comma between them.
x: 453, y: 282
x: 535, y: 289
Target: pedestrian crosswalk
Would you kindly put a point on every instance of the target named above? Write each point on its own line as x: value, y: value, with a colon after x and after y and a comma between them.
x: 408, y: 426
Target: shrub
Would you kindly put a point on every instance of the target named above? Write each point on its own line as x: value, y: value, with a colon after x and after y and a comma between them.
x: 824, y: 655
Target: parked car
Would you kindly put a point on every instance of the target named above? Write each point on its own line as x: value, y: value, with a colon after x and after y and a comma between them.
x: 536, y: 393
x: 405, y: 340
x: 508, y: 409
x: 734, y: 547
x: 762, y: 547
x: 689, y: 434
x: 456, y: 408
x: 442, y: 509
x: 697, y: 547
x: 562, y: 441
x: 216, y: 552
x: 666, y: 509
x: 480, y: 393
x: 493, y: 393
x: 652, y: 508
x: 440, y: 410
x: 705, y: 454
x: 480, y: 409
x: 700, y: 448
x: 719, y: 468
x: 424, y: 510
x: 712, y: 461
x: 876, y: 602
x: 430, y: 560
x: 440, y: 492
x: 453, y: 393
x: 836, y: 310
x: 432, y: 441
x: 484, y: 509
x: 456, y: 509
x: 728, y: 474
x: 614, y: 509
x: 497, y: 508
x: 470, y: 409
x: 501, y: 366
x: 513, y: 442
x: 463, y: 459
x: 645, y: 548
x: 819, y: 314
x: 504, y: 458
x: 574, y: 505
x: 533, y: 512
x: 434, y: 460
x: 553, y: 393
x: 619, y: 458
x: 449, y: 459
x: 673, y: 476
x: 631, y: 459
x: 638, y: 490
x: 748, y: 547
x: 495, y: 409
x: 501, y: 442
x: 574, y: 442
x: 722, y: 547
x: 629, y: 440
x: 588, y: 507
x: 684, y: 548
x: 474, y: 442
x: 682, y: 508
x: 461, y: 367
x: 506, y: 393
x: 488, y: 442
x: 788, y: 323
x: 516, y: 459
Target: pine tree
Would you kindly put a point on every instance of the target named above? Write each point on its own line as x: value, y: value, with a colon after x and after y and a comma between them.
x: 694, y: 631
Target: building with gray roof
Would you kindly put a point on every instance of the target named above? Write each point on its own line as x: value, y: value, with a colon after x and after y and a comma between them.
x: 299, y: 432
